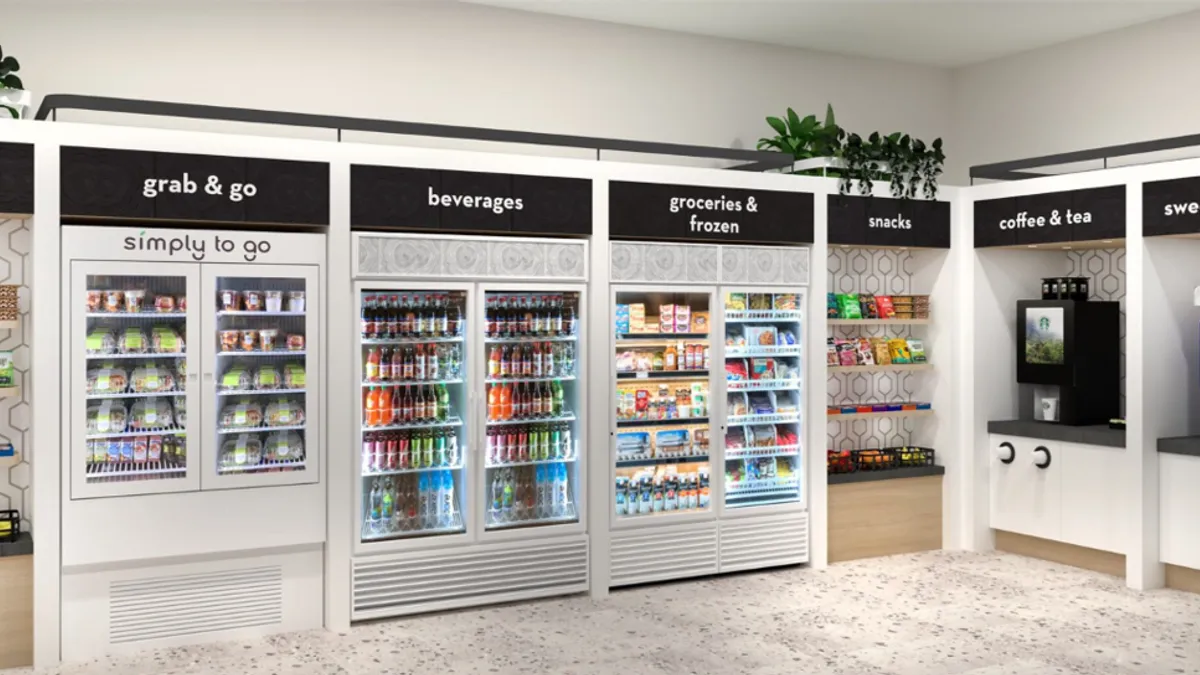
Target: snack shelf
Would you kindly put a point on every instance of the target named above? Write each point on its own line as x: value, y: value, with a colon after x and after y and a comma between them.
x: 653, y: 461
x: 411, y: 383
x: 411, y: 340
x: 763, y: 315
x: 273, y: 352
x: 416, y: 469
x: 895, y: 367
x: 136, y: 315
x: 265, y: 465
x: 497, y: 521
x: 530, y: 338
x: 448, y: 422
x: 167, y: 431
x: 9, y: 392
x: 408, y: 527
x: 890, y: 413
x: 520, y: 380
x: 245, y: 312
x: 252, y: 430
x: 663, y: 375
x: 761, y: 385
x: 764, y: 451
x: 678, y: 421
x: 125, y: 469
x: 260, y: 392
x: 155, y: 355
x: 878, y: 322
x: 761, y: 488
x: 568, y: 416
x: 771, y: 418
x: 128, y: 394
x: 762, y: 350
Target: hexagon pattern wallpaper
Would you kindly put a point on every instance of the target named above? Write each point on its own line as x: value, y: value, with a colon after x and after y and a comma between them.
x: 14, y: 412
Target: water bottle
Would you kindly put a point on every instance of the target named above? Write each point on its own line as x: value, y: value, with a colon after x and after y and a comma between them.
x: 543, y: 493
x: 426, y: 502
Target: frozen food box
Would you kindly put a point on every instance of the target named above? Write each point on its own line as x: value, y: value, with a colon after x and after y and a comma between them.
x: 666, y: 318
x: 622, y: 324
x: 700, y: 322
x: 637, y: 318
x: 671, y: 442
x: 683, y: 318
x: 735, y: 302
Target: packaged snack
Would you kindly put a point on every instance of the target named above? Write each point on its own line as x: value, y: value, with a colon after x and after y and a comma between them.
x: 244, y: 450
x: 133, y: 341
x: 651, y: 326
x: 249, y: 340
x: 135, y: 301
x: 658, y: 360
x: 140, y: 449
x: 622, y: 319
x: 107, y: 381
x: 833, y: 308
x: 95, y: 301
x: 268, y: 339
x: 785, y: 302
x: 231, y: 301
x: 625, y: 362
x: 154, y: 449
x: 761, y: 435
x: 284, y: 413
x: 735, y: 302
x: 735, y: 439
x: 916, y: 350
x: 293, y: 376
x: 268, y: 377
x: 637, y: 317
x: 700, y: 408
x: 787, y: 337
x: 181, y: 412
x: 633, y: 445
x: 736, y: 404
x: 295, y: 342
x: 164, y: 304
x: 181, y: 305
x: 734, y: 337
x: 112, y: 451
x: 106, y: 417
x: 735, y: 370
x: 848, y: 306
x: 164, y: 340
x: 760, y: 403
x: 253, y: 301
x: 867, y: 306
x: 683, y: 318
x: 230, y: 339
x: 643, y: 362
x: 243, y: 415
x: 114, y: 301
x: 6, y: 368
x: 284, y: 446
x: 151, y: 378
x: 672, y: 442
x: 883, y: 304
x: 666, y: 318
x: 274, y: 301
x: 846, y: 350
x: 762, y: 336
x: 899, y: 350
x: 762, y: 369
x: 759, y: 301
x: 863, y: 354
x: 879, y: 347
x: 125, y: 450
x: 295, y: 301
x: 831, y: 355
x: 150, y: 413
x: 101, y: 341
x: 700, y: 322
x: 236, y: 379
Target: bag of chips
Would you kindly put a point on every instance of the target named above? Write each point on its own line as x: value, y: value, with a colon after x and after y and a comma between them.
x: 867, y: 306
x: 863, y: 353
x: 845, y: 350
x: 899, y: 349
x: 916, y: 350
x: 848, y: 306
x: 883, y: 304
x: 879, y: 346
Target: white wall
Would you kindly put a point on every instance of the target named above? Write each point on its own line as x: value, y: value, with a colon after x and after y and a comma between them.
x: 443, y: 62
x: 1131, y: 85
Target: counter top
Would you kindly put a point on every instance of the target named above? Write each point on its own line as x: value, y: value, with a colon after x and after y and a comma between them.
x: 1180, y: 445
x: 888, y: 474
x: 22, y: 546
x: 1098, y: 434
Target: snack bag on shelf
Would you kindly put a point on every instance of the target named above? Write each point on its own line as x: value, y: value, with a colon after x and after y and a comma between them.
x: 683, y: 318
x: 832, y: 307
x: 848, y: 307
x: 845, y: 350
x: 867, y: 306
x: 899, y: 350
x: 864, y: 355
x: 883, y: 304
x: 916, y: 350
x: 735, y: 439
x: 736, y: 403
x: 786, y: 302
x: 759, y: 301
x: 761, y: 404
x: 883, y: 356
x: 762, y: 369
x: 831, y: 354
x: 761, y: 436
x: 666, y: 318
x: 735, y: 370
x: 735, y: 302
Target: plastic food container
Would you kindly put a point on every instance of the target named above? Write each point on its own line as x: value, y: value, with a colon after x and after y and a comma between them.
x: 152, y: 378
x: 253, y: 300
x: 236, y: 379
x: 133, y: 341
x: 101, y: 342
x: 181, y: 412
x: 284, y: 413
x: 165, y: 340
x: 295, y: 301
x: 231, y: 301
x: 244, y: 450
x: 95, y: 301
x: 268, y: 377
x: 164, y: 304
x: 295, y: 342
x: 243, y: 415
x: 249, y: 340
x: 284, y: 446
x: 230, y: 339
x: 114, y: 301
x: 109, y: 417
x: 107, y: 381
x: 151, y: 413
x: 293, y: 376
x: 268, y: 338
x: 135, y: 301
x: 274, y: 301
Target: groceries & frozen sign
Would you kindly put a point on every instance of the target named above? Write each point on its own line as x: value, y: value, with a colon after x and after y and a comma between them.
x: 698, y: 213
x: 700, y: 209
x: 197, y: 246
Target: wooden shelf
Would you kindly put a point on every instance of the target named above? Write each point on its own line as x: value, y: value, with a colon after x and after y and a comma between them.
x: 879, y: 415
x: 10, y: 325
x: 10, y: 392
x: 892, y: 368
x: 878, y: 322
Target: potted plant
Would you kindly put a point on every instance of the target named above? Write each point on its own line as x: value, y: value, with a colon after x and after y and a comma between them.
x: 804, y: 139
x: 13, y: 97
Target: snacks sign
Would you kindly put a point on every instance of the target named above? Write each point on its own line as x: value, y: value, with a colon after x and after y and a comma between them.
x: 1092, y: 214
x: 694, y: 213
x: 881, y: 221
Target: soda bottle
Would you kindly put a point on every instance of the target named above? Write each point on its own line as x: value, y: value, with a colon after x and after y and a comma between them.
x: 403, y: 327
x: 456, y: 319
x: 570, y: 321
x: 526, y: 316
x: 543, y: 493
x: 493, y: 364
x: 513, y: 448
x: 406, y: 407
x: 403, y: 457
x: 562, y: 498
x: 379, y: 317
x: 368, y: 453
x: 387, y: 502
x: 431, y: 317
x: 439, y: 448
x: 556, y: 316
x: 535, y: 407
x: 375, y: 501
x: 393, y: 317
x: 432, y: 365
x: 452, y: 447
x: 506, y: 508
x: 548, y: 360
x: 566, y: 445
x: 447, y: 495
x: 493, y: 402
x: 397, y: 364
x: 443, y: 317
x: 522, y: 444
x: 557, y: 407
x: 526, y: 361
x: 427, y: 448
x: 385, y: 406
x: 371, y: 407
x: 504, y: 362
x: 372, y: 367
x: 536, y: 369
x: 367, y: 317
x: 501, y: 446
x: 492, y: 459
x: 506, y: 402
x: 548, y: 400
x: 419, y: 363
x: 425, y: 502
x: 497, y: 501
x: 554, y: 443
x: 443, y: 396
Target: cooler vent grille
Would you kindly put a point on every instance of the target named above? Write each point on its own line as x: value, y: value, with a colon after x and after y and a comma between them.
x: 172, y: 606
x: 662, y: 553
x: 755, y: 543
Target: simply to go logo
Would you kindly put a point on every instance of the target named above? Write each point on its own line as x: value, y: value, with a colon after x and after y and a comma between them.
x: 196, y: 247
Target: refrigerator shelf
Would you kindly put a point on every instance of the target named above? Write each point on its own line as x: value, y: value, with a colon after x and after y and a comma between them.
x: 244, y: 312
x: 159, y: 355
x: 521, y: 380
x: 568, y: 416
x: 138, y: 394
x: 761, y: 385
x: 771, y: 451
x: 136, y: 315
x: 763, y: 315
x: 406, y: 527
x: 653, y: 461
x: 260, y: 392
x: 273, y: 352
x: 762, y: 350
x: 530, y: 462
x: 411, y: 383
x: 643, y: 338
x: 448, y: 422
x: 265, y: 465
x: 663, y: 375
x: 497, y: 521
x: 251, y: 430
x: 785, y: 499
x: 530, y: 339
x: 129, y: 469
x: 369, y: 342
x: 676, y: 422
x: 772, y: 418
x: 367, y: 473
x: 756, y: 488
x: 167, y: 431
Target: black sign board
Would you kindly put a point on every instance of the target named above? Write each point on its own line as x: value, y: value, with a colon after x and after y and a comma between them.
x: 397, y: 198
x: 16, y: 178
x: 708, y: 214
x: 1076, y: 215
x: 880, y: 221
x: 1171, y: 207
x: 105, y: 183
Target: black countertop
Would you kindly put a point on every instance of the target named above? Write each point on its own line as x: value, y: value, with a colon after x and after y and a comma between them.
x: 1098, y: 434
x: 1180, y: 445
x: 22, y: 546
x: 887, y: 474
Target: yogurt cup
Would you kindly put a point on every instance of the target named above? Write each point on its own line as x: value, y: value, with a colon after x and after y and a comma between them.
x: 274, y: 301
x: 295, y: 301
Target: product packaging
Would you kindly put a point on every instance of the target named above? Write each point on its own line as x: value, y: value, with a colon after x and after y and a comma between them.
x: 622, y: 322
x: 879, y: 347
x: 845, y: 350
x: 883, y: 305
x: 832, y: 306
x: 735, y: 302
x: 700, y: 322
x: 831, y: 356
x: 867, y: 306
x: 916, y: 350
x: 786, y: 302
x: 666, y: 318
x: 899, y: 350
x: 848, y: 306
x: 864, y: 355
x: 637, y: 317
x: 683, y: 318
x: 6, y: 368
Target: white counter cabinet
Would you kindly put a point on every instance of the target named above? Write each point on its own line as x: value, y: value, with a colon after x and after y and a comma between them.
x: 1179, y: 503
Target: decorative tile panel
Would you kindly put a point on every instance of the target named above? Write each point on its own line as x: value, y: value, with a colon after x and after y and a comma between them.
x: 15, y: 479
x: 709, y: 264
x: 381, y: 255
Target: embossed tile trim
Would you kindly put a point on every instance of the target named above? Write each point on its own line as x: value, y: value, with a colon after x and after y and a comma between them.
x: 709, y: 263
x: 456, y: 257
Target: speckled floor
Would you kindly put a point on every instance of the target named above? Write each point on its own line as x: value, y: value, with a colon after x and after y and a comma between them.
x: 927, y: 614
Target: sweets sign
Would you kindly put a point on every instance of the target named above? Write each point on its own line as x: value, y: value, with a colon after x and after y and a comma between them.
x: 1093, y: 214
x: 694, y: 213
x: 1171, y: 207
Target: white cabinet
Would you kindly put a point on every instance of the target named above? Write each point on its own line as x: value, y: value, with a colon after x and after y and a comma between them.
x: 1065, y: 492
x: 1179, y: 502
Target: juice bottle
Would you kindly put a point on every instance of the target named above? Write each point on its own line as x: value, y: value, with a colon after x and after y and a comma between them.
x: 419, y: 365
x: 506, y: 402
x: 386, y: 414
x: 505, y: 362
x: 670, y: 358
x: 372, y: 407
x: 493, y: 403
x: 406, y: 406
x: 397, y: 364
x: 443, y: 398
x: 493, y: 365
x: 372, y: 369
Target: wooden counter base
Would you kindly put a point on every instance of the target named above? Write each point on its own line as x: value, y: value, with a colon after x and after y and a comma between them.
x: 1183, y: 578
x: 887, y: 517
x: 1064, y: 554
x: 16, y: 611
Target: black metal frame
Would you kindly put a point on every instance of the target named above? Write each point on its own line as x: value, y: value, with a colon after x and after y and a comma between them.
x: 52, y: 103
x: 1015, y: 169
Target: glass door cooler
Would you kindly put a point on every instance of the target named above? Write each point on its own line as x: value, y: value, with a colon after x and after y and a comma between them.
x: 764, y: 397
x: 663, y: 358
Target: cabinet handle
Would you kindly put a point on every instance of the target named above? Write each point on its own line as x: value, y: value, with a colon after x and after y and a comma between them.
x: 1007, y: 453
x: 1044, y: 463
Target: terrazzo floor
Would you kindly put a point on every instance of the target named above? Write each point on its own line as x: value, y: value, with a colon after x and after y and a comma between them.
x: 925, y: 614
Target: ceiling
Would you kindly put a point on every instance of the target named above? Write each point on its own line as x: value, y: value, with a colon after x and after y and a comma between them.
x: 945, y: 33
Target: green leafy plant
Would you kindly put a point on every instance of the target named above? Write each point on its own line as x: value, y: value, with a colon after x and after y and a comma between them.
x: 8, y: 79
x: 804, y: 138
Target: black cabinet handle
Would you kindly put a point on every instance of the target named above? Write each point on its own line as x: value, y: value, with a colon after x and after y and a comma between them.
x: 1008, y: 457
x: 1043, y: 465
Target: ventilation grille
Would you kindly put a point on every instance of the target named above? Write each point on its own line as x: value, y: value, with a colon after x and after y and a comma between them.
x: 479, y: 576
x: 662, y: 553
x: 753, y: 543
x: 172, y: 606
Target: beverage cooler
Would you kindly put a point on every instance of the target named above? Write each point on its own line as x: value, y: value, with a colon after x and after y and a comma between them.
x: 471, y: 472
x: 192, y: 438
x: 708, y: 458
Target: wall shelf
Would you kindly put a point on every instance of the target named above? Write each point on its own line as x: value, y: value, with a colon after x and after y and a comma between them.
x: 892, y: 368
x: 878, y: 322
